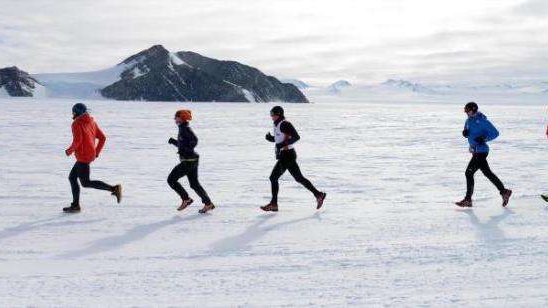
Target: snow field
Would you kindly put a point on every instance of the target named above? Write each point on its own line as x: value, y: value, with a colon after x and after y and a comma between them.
x: 388, y: 236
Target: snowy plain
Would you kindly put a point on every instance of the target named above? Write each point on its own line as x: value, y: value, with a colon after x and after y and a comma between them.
x: 389, y: 234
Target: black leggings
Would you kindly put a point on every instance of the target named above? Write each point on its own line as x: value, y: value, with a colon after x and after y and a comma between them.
x: 190, y: 169
x: 81, y: 171
x: 479, y: 161
x: 288, y: 161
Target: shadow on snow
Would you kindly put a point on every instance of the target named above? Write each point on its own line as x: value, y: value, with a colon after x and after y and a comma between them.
x: 42, y: 223
x: 489, y: 231
x: 254, y: 233
x: 134, y: 234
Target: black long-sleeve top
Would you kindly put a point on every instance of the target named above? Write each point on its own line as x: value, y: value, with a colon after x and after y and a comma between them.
x: 186, y: 142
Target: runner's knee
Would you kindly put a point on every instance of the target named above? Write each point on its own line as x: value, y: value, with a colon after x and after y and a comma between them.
x: 469, y: 173
x: 72, y: 177
x: 299, y: 178
x: 274, y: 178
x: 171, y: 179
x: 85, y: 182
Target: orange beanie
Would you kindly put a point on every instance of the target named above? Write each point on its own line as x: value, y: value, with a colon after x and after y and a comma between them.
x: 184, y: 114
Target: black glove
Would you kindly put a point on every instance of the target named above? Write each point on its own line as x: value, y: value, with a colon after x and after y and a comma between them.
x: 480, y: 140
x: 269, y: 137
x: 465, y: 133
x: 172, y: 141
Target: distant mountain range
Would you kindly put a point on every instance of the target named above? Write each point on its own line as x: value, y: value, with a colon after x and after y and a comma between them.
x: 156, y: 74
x: 404, y: 89
x: 404, y: 84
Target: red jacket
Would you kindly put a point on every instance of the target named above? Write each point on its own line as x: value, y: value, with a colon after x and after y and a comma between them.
x: 84, y: 133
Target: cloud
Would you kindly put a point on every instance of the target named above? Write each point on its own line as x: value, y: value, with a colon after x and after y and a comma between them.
x: 315, y: 40
x: 299, y: 40
x: 533, y: 8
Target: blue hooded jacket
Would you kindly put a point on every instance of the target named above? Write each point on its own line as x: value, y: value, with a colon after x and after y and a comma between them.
x: 479, y: 126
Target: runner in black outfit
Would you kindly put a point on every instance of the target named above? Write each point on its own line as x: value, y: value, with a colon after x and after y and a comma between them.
x: 186, y: 142
x: 284, y: 137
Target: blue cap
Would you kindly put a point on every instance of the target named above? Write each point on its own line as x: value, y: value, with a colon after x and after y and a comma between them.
x: 79, y: 109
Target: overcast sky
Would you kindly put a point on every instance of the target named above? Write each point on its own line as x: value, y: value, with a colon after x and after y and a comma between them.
x: 313, y: 40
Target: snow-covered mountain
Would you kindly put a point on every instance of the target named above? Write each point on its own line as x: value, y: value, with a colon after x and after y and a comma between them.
x: 397, y: 90
x: 337, y: 86
x: 156, y: 74
x: 15, y: 82
x: 533, y: 87
x: 522, y: 87
x: 400, y: 84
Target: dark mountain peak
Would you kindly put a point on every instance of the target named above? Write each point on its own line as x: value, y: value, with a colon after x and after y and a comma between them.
x: 157, y: 47
x: 9, y: 68
x: 13, y: 71
x: 190, y: 53
x: 156, y: 74
x: 197, y: 60
x: 17, y: 82
x: 155, y: 52
x: 258, y: 86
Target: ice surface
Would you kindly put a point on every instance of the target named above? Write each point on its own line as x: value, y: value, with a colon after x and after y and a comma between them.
x: 137, y: 72
x: 4, y: 93
x: 176, y: 60
x: 88, y: 84
x: 39, y: 91
x: 249, y: 96
x: 100, y: 78
x: 389, y: 234
x: 82, y: 85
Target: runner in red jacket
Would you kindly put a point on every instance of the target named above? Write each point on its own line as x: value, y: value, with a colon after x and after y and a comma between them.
x: 85, y: 131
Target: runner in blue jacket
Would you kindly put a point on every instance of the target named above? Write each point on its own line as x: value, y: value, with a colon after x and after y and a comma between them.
x: 478, y: 130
